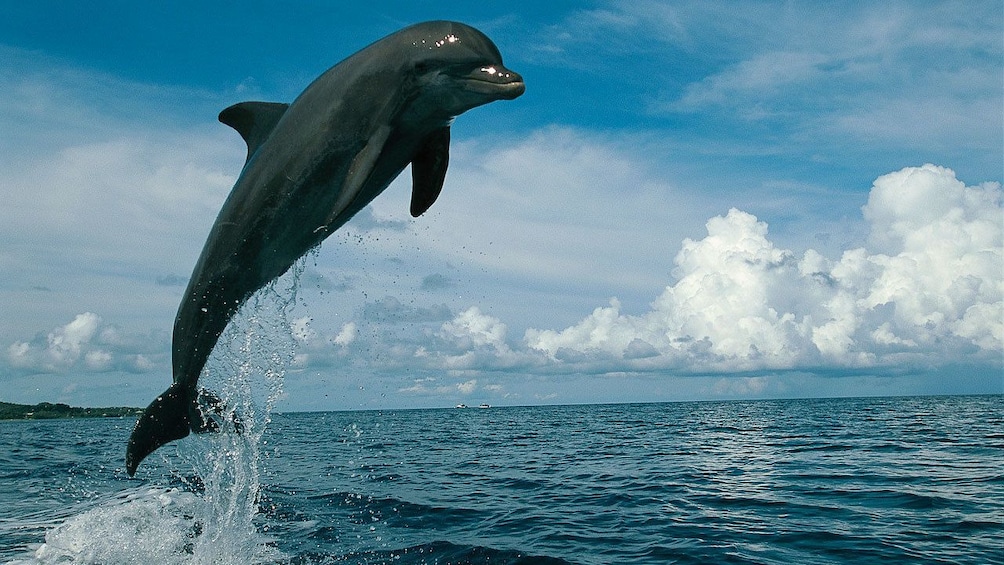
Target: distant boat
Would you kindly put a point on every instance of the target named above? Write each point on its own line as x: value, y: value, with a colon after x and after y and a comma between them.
x: 484, y: 406
x: 461, y: 406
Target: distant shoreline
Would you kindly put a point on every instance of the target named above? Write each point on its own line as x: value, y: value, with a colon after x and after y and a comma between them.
x: 49, y: 411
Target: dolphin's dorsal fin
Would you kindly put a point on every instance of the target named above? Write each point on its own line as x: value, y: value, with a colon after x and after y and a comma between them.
x: 254, y: 121
x: 428, y: 170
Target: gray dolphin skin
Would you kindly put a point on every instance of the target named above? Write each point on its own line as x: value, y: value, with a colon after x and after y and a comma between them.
x: 311, y: 166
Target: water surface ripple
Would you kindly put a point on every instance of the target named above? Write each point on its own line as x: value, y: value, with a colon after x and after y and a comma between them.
x: 888, y: 480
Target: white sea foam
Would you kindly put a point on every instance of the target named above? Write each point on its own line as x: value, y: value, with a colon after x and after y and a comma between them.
x: 148, y: 525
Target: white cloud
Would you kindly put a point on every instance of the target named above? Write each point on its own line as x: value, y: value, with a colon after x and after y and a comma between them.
x: 346, y: 335
x: 719, y: 313
x: 88, y: 344
x: 98, y: 360
x: 941, y: 272
x: 467, y: 387
x: 930, y: 293
x: 471, y: 329
x: 473, y: 340
x: 131, y: 197
x: 66, y: 342
x: 61, y: 348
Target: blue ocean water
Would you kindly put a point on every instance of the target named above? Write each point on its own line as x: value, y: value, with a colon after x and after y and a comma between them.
x: 877, y: 480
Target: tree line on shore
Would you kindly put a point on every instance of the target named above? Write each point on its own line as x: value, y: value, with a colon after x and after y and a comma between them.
x: 49, y: 411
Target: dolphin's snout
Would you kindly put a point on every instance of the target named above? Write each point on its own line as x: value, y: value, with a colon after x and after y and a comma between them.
x: 498, y: 81
x: 514, y: 81
x: 516, y: 90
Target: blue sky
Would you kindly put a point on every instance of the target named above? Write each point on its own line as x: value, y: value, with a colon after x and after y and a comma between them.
x: 691, y: 201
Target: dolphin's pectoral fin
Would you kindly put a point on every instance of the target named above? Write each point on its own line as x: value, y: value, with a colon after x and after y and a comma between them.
x: 428, y: 170
x: 254, y: 121
x: 165, y: 420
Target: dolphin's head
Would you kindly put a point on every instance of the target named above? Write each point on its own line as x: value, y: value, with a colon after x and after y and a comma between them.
x: 455, y: 68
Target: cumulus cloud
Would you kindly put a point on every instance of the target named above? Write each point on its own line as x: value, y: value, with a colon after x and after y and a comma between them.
x: 346, y: 335
x: 927, y: 290
x: 719, y: 312
x: 87, y: 344
x: 467, y: 387
x: 471, y: 329
x: 473, y: 340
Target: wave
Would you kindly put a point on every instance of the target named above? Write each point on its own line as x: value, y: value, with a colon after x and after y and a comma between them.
x: 434, y: 553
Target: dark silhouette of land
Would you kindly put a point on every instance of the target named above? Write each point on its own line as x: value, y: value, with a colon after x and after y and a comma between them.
x: 49, y: 411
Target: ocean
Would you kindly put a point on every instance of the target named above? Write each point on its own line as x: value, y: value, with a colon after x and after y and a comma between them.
x: 864, y: 480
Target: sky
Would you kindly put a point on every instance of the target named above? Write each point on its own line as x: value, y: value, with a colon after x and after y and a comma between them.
x: 691, y: 201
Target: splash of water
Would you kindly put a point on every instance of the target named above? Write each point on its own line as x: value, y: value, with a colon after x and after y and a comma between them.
x: 143, y: 525
x: 211, y: 520
x: 245, y: 373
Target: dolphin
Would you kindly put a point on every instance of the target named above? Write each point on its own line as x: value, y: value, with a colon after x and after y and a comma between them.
x: 311, y: 165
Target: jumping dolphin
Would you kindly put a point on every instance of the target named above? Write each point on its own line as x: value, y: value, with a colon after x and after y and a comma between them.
x: 312, y: 165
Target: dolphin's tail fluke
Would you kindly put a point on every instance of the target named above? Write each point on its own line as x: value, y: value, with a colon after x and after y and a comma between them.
x: 165, y: 420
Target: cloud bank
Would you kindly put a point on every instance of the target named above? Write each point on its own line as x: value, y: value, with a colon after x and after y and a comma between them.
x: 87, y: 344
x: 926, y: 291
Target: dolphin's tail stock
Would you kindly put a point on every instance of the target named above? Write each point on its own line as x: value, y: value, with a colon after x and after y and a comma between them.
x: 164, y: 420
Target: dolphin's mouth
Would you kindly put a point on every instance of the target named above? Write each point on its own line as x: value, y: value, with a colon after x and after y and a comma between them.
x: 496, y: 81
